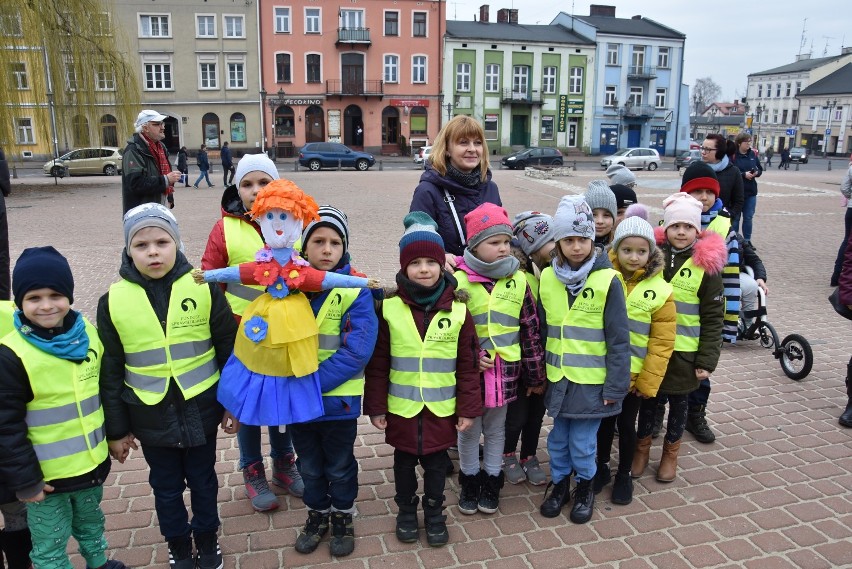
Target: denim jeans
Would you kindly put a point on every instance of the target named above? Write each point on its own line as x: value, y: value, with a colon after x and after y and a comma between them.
x: 749, y: 206
x: 572, y: 444
x: 248, y: 439
x: 172, y: 471
x: 203, y: 176
x: 327, y: 463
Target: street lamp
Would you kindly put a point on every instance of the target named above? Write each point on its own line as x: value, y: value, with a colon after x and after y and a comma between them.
x: 618, y: 111
x: 759, y: 110
x: 263, y: 120
x: 449, y: 107
x: 830, y: 104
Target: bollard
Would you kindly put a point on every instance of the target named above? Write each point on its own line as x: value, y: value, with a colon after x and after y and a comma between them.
x: 381, y: 166
x: 829, y: 165
x: 797, y: 166
x: 575, y: 165
x: 338, y: 164
x: 675, y: 166
x: 14, y: 172
x: 296, y: 165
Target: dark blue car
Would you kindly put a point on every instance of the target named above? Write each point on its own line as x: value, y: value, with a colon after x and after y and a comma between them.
x: 317, y: 155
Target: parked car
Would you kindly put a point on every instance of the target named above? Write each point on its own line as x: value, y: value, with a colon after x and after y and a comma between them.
x: 687, y: 157
x: 633, y: 158
x: 317, y: 155
x: 799, y: 154
x: 422, y: 154
x: 103, y: 160
x: 533, y: 156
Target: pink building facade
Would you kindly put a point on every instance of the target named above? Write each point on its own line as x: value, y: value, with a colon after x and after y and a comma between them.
x: 362, y: 72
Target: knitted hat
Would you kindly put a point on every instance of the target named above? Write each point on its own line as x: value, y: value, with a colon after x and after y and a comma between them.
x: 533, y: 230
x: 599, y: 196
x: 150, y: 215
x: 253, y: 163
x: 634, y: 227
x: 699, y: 176
x: 620, y: 174
x: 624, y: 196
x: 681, y: 208
x: 486, y: 221
x: 329, y: 217
x: 573, y: 218
x: 42, y: 267
x: 420, y: 239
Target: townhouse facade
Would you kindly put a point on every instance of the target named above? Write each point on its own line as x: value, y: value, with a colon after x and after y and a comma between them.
x: 528, y: 84
x: 825, y: 124
x: 639, y: 96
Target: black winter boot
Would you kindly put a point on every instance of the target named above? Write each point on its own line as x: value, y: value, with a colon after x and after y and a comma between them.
x: 435, y: 521
x: 846, y: 417
x: 406, y: 519
x: 584, y: 502
x: 16, y: 547
x: 489, y: 493
x: 342, y: 534
x: 659, y: 415
x: 470, y: 486
x: 696, y: 423
x: 315, y: 527
x: 603, y: 476
x: 559, y: 496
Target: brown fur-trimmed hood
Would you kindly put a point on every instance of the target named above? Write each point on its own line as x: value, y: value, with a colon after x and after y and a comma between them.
x: 654, y: 266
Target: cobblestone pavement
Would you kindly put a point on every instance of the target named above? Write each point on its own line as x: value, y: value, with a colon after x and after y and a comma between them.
x: 773, y: 491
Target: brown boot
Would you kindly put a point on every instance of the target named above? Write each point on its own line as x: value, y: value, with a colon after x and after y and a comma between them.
x: 668, y: 463
x: 641, y: 456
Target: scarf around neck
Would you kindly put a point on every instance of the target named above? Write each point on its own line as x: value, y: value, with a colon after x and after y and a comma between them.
x: 71, y: 345
x: 720, y: 165
x: 499, y: 269
x: 160, y: 158
x: 575, y: 280
x: 423, y: 296
x: 708, y: 217
x: 466, y: 179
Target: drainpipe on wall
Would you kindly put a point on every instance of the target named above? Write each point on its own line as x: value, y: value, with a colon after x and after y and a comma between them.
x: 260, y: 78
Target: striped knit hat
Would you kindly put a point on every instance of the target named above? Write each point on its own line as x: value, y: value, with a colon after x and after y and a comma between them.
x: 331, y: 217
x: 420, y: 239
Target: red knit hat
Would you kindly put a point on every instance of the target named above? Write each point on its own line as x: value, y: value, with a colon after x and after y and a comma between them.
x: 699, y: 176
x: 486, y: 221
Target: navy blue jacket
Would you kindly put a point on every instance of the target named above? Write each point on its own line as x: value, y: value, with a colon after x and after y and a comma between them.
x: 746, y: 163
x: 227, y: 161
x: 201, y: 160
x: 429, y: 197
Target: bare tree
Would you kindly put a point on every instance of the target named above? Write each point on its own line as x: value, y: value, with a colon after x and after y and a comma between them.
x: 705, y: 92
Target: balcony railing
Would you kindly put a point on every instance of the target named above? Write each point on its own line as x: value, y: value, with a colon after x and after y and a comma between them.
x: 641, y: 72
x: 341, y: 87
x: 640, y: 111
x: 353, y: 35
x: 528, y: 97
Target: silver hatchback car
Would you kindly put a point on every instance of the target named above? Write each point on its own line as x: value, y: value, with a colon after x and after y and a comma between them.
x: 633, y: 158
x: 103, y: 160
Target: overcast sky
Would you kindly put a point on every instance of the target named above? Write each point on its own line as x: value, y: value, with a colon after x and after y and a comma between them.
x: 724, y: 40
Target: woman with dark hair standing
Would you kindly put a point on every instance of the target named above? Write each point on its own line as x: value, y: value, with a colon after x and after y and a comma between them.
x: 714, y: 153
x: 456, y: 180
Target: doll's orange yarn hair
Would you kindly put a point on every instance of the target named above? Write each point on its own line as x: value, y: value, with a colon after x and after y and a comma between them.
x: 285, y: 195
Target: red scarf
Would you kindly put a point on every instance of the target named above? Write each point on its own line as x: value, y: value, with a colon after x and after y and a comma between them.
x: 159, y: 154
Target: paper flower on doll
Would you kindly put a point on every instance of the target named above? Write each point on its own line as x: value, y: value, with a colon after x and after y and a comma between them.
x: 255, y: 328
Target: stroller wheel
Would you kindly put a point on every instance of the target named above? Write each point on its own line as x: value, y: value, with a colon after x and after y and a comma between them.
x: 797, y: 357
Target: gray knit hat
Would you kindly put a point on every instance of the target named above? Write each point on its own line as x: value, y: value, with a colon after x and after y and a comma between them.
x: 634, y: 227
x: 329, y: 217
x: 150, y: 215
x: 533, y: 230
x: 573, y: 219
x: 599, y: 196
x: 621, y: 174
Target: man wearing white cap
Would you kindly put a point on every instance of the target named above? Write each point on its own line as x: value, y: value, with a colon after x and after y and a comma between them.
x: 147, y: 176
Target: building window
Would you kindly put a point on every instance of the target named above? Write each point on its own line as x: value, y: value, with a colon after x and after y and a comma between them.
x: 418, y: 69
x: 463, y: 77
x: 759, y: 90
x: 636, y: 96
x: 10, y: 25
x: 312, y: 20
x: 80, y: 134
x: 109, y: 131
x: 838, y: 114
x: 811, y: 113
x: 793, y: 116
x: 492, y: 78
x: 612, y: 54
x: 548, y: 80
x: 351, y: 19
x: 798, y: 86
x: 282, y: 20
x: 207, y: 75
x: 789, y: 89
x: 609, y: 96
x: 784, y: 117
x: 283, y: 72
x: 575, y: 85
x: 663, y: 57
x: 18, y: 71
x: 418, y: 120
x: 778, y: 89
x: 490, y: 127
x: 660, y: 99
x: 547, y: 127
x: 154, y: 26
x: 24, y: 131
x: 100, y: 24
x: 236, y: 75
x: 158, y: 76
x: 104, y: 78
x: 418, y: 28
x: 313, y: 66
x: 520, y: 81
x: 234, y: 27
x: 238, y: 127
x: 70, y: 75
x: 638, y: 58
x: 210, y: 129
x: 775, y: 116
x: 391, y: 23
x: 205, y: 26
x: 391, y: 69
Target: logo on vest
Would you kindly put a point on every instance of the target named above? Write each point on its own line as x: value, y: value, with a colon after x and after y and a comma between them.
x: 588, y: 293
x: 585, y: 302
x: 444, y: 333
x: 685, y: 273
x: 93, y: 357
x: 650, y: 295
x: 186, y: 302
x: 508, y: 294
x: 336, y: 299
x: 444, y: 323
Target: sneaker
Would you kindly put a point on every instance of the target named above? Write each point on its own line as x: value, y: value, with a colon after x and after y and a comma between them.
x: 180, y: 554
x: 584, y: 502
x: 311, y: 534
x: 257, y: 488
x: 534, y: 471
x: 622, y: 489
x: 602, y: 477
x: 342, y: 534
x: 489, y: 494
x: 512, y: 469
x: 286, y: 475
x: 208, y: 554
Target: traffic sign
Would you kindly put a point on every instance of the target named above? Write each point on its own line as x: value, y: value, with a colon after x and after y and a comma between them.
x: 791, y: 131
x: 827, y: 131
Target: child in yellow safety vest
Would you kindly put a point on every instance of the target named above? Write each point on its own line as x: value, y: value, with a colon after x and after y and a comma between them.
x: 693, y: 263
x: 166, y: 339
x: 235, y: 239
x: 651, y: 312
x: 422, y: 383
x: 53, y: 452
x: 504, y: 311
x: 587, y: 354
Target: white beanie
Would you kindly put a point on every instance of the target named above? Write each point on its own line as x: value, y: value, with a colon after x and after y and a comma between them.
x: 634, y: 227
x: 254, y: 163
x: 573, y: 219
x: 682, y: 208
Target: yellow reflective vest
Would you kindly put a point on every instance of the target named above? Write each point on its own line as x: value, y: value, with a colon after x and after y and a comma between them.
x: 496, y: 315
x: 242, y: 241
x: 7, y: 313
x: 153, y: 357
x: 329, y: 319
x: 65, y: 420
x: 685, y: 284
x: 422, y: 371
x: 576, y: 342
x: 646, y: 298
x: 532, y: 280
x: 721, y: 224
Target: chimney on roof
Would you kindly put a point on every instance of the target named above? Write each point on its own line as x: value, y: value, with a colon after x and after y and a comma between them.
x: 513, y: 16
x: 602, y: 10
x: 503, y: 15
x: 483, y: 13
x: 638, y: 17
x: 803, y: 56
x: 845, y: 50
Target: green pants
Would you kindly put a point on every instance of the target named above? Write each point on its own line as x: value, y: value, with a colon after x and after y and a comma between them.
x: 57, y: 518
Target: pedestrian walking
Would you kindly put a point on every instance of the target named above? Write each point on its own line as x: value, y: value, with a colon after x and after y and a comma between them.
x: 203, y: 165
x: 227, y: 165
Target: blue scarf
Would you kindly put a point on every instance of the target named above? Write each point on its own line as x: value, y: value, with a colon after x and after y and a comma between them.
x: 721, y: 165
x: 71, y: 345
x: 710, y: 215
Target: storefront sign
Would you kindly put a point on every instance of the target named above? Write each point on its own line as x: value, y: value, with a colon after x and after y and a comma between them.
x: 575, y: 106
x: 409, y: 102
x: 299, y: 101
x: 562, y: 111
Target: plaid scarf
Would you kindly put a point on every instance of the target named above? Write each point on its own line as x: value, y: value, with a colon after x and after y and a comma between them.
x: 158, y: 152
